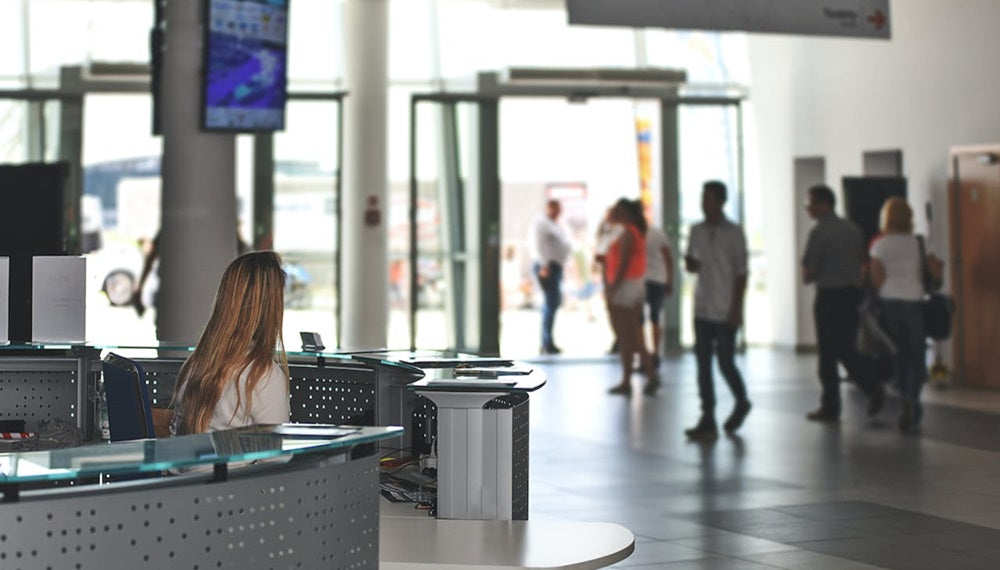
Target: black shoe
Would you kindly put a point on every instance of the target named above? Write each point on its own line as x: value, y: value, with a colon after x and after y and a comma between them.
x: 735, y: 420
x: 906, y: 418
x: 821, y: 415
x: 876, y: 400
x: 550, y: 350
x: 621, y: 389
x: 704, y: 430
x: 652, y: 385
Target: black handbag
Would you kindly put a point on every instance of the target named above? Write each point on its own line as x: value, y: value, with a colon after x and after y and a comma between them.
x: 938, y: 307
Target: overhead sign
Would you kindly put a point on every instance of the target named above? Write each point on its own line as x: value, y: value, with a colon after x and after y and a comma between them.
x: 851, y: 18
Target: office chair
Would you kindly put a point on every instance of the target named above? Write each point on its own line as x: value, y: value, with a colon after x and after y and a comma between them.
x: 129, y: 410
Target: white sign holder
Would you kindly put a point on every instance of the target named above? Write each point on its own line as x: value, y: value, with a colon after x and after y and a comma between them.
x: 59, y: 299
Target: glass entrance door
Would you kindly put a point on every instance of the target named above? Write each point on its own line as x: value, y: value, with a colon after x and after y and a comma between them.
x: 451, y: 262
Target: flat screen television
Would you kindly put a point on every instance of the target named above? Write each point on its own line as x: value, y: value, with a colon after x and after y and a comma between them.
x: 245, y: 65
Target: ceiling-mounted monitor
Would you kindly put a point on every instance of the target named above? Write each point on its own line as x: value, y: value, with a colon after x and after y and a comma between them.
x: 245, y: 65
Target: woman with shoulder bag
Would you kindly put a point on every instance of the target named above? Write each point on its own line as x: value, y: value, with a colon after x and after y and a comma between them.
x: 897, y: 272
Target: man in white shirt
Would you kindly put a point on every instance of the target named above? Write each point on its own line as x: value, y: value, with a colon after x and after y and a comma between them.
x: 717, y: 252
x: 551, y: 248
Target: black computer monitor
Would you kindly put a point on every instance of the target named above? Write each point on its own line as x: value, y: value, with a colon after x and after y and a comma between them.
x: 31, y: 223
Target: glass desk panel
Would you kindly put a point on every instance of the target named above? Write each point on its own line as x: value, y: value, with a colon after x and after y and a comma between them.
x: 151, y: 455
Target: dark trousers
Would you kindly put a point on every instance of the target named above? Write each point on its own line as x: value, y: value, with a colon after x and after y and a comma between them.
x: 552, y: 292
x: 718, y: 337
x: 905, y: 323
x: 836, y: 315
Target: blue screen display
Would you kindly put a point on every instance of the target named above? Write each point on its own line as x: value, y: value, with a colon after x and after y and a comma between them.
x: 245, y: 65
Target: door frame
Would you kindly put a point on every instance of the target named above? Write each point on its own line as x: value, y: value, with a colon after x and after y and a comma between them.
x: 491, y: 89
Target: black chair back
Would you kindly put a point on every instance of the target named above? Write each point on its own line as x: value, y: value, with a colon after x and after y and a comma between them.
x: 129, y: 411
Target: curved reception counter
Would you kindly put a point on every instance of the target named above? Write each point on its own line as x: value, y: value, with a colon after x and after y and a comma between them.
x: 260, y: 497
x: 289, y: 497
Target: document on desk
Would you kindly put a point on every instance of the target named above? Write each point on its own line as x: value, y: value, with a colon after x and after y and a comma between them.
x: 492, y: 371
x: 313, y: 430
x: 472, y: 382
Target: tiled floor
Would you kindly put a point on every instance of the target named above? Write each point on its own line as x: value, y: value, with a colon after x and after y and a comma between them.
x: 784, y: 492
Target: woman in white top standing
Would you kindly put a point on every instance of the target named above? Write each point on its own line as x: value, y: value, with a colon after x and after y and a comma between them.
x: 238, y: 373
x: 897, y: 274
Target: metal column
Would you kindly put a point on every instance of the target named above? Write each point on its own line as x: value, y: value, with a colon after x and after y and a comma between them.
x: 670, y: 204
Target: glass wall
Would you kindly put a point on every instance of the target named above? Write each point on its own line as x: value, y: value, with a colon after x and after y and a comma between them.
x: 121, y: 216
x: 305, y: 224
x: 434, y: 45
x: 14, y: 129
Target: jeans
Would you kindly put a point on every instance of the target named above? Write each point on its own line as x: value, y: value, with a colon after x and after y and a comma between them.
x: 721, y: 338
x: 904, y: 321
x: 836, y: 314
x: 552, y: 291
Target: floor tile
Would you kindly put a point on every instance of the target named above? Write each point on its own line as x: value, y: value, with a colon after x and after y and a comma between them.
x: 807, y: 560
x: 784, y: 492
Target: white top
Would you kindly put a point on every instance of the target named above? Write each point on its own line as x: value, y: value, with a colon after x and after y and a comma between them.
x: 270, y: 403
x: 656, y: 242
x: 550, y: 241
x: 900, y: 256
x: 606, y: 235
x: 722, y: 251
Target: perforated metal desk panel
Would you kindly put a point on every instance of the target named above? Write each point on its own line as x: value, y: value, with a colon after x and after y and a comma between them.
x: 41, y: 382
x: 311, y: 503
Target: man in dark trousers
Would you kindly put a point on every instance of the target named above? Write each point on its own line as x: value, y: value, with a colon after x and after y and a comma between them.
x: 834, y: 260
x: 551, y: 247
x: 717, y: 253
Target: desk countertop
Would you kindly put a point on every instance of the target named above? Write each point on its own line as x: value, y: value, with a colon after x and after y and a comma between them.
x: 408, y: 542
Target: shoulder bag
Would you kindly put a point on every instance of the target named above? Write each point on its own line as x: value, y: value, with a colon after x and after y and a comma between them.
x: 938, y: 307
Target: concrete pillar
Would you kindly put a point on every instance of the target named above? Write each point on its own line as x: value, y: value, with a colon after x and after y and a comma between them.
x: 670, y: 203
x: 198, y: 204
x: 366, y: 188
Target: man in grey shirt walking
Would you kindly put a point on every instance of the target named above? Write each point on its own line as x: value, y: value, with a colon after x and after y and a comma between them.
x: 834, y: 260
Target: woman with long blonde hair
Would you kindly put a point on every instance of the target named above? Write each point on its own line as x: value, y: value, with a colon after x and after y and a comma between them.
x: 238, y: 373
x: 897, y: 272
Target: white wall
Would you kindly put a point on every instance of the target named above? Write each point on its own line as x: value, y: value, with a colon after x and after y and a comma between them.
x: 933, y: 86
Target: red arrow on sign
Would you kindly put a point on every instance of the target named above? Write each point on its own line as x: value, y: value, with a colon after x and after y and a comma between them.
x: 878, y: 18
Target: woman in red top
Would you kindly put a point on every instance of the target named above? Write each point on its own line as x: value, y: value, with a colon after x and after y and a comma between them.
x: 625, y: 290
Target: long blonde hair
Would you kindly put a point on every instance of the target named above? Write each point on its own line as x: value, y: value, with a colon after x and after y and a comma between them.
x: 896, y: 216
x: 244, y: 332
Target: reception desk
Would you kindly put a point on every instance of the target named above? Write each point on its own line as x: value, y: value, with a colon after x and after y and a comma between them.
x: 244, y: 498
x: 482, y: 439
x: 408, y: 541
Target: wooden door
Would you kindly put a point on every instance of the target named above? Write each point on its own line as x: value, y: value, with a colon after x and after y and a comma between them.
x: 975, y: 222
